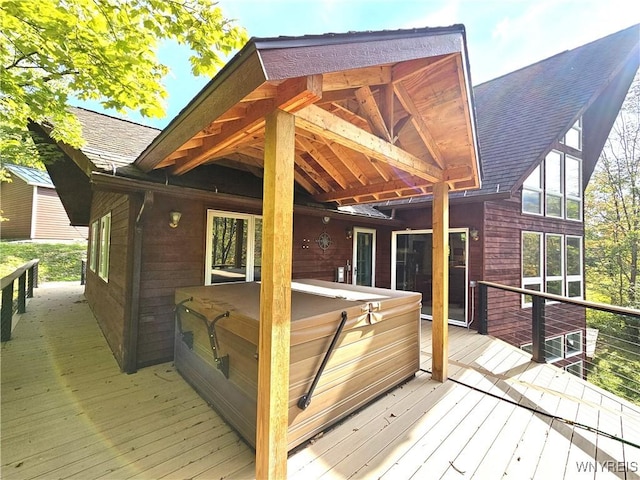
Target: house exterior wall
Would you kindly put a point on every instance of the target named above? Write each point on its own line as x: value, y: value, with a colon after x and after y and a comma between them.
x: 109, y: 299
x: 51, y: 221
x: 16, y: 204
x: 175, y: 257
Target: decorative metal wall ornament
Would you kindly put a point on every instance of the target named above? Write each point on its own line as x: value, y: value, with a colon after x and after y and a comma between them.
x: 324, y: 241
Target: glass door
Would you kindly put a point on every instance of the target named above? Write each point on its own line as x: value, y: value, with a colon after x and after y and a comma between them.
x: 411, y: 265
x: 364, y: 257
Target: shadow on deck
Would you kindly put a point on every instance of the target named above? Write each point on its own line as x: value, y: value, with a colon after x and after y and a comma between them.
x: 68, y: 412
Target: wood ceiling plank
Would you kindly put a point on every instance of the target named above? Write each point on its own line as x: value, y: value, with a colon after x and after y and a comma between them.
x: 345, y: 156
x: 403, y: 70
x: 312, y: 150
x: 323, y: 123
x: 312, y: 173
x: 418, y: 123
x: 292, y: 95
x: 369, y: 107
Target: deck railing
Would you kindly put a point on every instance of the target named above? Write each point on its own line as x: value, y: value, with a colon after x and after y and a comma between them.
x: 27, y: 276
x: 596, y: 341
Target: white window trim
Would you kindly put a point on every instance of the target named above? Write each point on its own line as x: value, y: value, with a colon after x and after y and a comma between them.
x: 93, y: 247
x: 539, y: 190
x: 104, y: 247
x: 555, y: 278
x: 531, y: 280
x: 575, y: 278
x: 580, y: 363
x: 251, y: 244
x: 579, y: 198
x: 579, y: 352
x: 554, y: 359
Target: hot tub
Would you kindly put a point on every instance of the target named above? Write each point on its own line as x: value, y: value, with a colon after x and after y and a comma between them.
x: 376, y: 348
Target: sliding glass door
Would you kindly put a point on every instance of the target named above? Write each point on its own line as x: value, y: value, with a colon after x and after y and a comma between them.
x: 411, y: 264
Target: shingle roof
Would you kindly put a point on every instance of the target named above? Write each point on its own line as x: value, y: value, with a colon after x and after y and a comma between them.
x: 31, y: 176
x: 112, y: 142
x: 521, y: 114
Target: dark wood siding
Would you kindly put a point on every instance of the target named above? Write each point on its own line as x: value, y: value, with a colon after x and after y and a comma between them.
x: 503, y: 227
x: 108, y: 300
x: 52, y: 221
x: 16, y: 205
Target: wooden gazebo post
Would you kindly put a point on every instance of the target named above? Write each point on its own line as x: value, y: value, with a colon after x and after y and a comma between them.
x: 440, y: 333
x: 275, y: 297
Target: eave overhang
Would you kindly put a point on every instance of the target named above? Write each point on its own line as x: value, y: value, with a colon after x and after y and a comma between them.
x: 379, y: 116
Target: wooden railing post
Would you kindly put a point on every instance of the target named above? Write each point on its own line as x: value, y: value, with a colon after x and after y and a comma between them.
x: 483, y: 309
x: 537, y: 330
x: 22, y: 293
x: 30, y: 276
x: 6, y: 312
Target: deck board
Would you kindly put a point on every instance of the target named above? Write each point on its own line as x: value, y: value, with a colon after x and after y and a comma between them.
x: 68, y: 412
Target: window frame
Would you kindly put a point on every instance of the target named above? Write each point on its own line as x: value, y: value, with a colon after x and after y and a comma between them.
x: 566, y: 344
x: 536, y: 189
x: 580, y: 363
x: 554, y: 278
x: 104, y: 247
x: 251, y: 244
x: 580, y: 276
x: 539, y: 280
x: 548, y: 357
x: 93, y: 246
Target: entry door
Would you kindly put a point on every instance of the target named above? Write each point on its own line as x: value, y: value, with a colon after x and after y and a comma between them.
x: 364, y: 257
x: 412, y: 264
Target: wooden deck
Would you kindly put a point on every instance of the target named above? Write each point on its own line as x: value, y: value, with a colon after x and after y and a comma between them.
x: 67, y: 412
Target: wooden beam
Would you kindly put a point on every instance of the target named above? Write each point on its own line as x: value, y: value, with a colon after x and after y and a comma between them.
x: 414, y: 183
x: 312, y: 173
x: 440, y: 323
x: 275, y: 298
x: 369, y: 107
x: 387, y: 109
x: 376, y: 75
x: 345, y: 156
x: 292, y: 95
x: 326, y: 165
x: 317, y: 120
x: 410, y: 68
x: 418, y: 123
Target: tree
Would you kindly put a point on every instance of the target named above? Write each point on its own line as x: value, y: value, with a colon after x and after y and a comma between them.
x: 612, y: 210
x: 96, y: 50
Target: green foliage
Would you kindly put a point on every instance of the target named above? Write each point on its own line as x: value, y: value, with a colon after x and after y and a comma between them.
x: 101, y: 50
x: 58, y: 262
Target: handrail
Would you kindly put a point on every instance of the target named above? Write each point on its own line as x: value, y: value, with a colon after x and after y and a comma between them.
x: 27, y: 273
x: 5, y: 281
x: 575, y: 301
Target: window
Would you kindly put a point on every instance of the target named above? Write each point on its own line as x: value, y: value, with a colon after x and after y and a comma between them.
x: 575, y: 369
x: 532, y: 192
x: 554, y: 188
x: 527, y: 347
x: 234, y: 247
x: 554, y: 348
x: 554, y: 261
x: 105, y: 246
x: 574, y: 266
x: 553, y: 184
x: 554, y: 266
x: 531, y: 263
x: 573, y: 343
x: 93, y: 250
x: 573, y: 137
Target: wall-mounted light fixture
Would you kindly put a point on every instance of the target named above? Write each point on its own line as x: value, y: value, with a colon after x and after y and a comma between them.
x: 349, y: 233
x: 174, y: 218
x: 326, y: 219
x: 474, y: 234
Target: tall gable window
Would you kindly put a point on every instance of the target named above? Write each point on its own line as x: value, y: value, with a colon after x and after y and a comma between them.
x: 555, y: 188
x: 573, y: 137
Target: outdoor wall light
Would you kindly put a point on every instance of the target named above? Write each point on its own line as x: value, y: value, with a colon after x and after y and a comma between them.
x: 175, y: 219
x: 474, y: 234
x: 348, y: 233
x: 326, y: 219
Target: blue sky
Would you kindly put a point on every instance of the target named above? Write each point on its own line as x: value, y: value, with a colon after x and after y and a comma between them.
x: 502, y: 35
